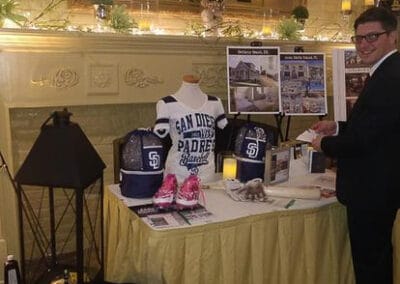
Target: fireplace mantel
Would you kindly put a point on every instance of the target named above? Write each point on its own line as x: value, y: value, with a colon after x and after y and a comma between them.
x: 20, y: 39
x: 42, y: 68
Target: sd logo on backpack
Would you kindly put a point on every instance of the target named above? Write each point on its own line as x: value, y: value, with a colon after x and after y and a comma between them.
x: 142, y: 164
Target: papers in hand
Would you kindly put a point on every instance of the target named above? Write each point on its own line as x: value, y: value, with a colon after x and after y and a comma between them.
x: 307, y: 136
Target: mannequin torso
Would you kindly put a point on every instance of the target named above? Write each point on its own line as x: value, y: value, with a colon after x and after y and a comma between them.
x: 190, y: 118
x: 190, y: 93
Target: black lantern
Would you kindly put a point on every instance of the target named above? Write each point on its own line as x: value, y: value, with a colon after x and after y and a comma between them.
x: 60, y: 194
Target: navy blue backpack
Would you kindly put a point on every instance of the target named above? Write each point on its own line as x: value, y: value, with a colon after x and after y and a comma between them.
x: 250, y: 147
x: 142, y: 164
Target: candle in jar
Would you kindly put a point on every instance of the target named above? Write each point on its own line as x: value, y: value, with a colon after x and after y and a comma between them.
x: 229, y: 168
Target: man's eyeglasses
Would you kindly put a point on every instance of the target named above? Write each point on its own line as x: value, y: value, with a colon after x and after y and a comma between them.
x: 368, y: 37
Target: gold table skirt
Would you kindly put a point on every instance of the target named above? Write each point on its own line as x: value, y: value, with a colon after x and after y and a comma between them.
x: 285, y: 247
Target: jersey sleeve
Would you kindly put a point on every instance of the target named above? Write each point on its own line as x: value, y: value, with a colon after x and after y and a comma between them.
x: 161, y: 127
x: 220, y: 120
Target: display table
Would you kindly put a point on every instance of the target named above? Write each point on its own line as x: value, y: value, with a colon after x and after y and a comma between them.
x: 306, y: 244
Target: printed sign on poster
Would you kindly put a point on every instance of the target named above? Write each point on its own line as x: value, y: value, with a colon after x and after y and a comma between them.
x: 253, y: 80
x: 303, y: 83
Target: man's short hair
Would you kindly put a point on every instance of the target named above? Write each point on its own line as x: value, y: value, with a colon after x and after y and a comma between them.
x: 378, y: 14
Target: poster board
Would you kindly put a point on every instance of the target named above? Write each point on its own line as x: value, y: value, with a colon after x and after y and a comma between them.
x: 349, y: 75
x: 303, y: 83
x: 253, y: 80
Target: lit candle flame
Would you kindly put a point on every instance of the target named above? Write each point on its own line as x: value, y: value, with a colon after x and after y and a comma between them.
x: 346, y: 5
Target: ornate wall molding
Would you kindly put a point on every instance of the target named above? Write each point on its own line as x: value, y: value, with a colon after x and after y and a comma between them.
x: 102, y: 79
x: 63, y: 78
x: 113, y: 68
x: 137, y: 78
x: 212, y: 75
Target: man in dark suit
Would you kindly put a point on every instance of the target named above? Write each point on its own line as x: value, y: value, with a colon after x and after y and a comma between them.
x: 366, y: 149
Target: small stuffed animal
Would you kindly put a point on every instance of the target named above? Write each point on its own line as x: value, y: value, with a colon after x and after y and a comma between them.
x: 254, y: 190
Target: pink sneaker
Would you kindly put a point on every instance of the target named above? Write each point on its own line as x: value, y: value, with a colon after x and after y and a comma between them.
x: 188, y: 193
x: 164, y: 196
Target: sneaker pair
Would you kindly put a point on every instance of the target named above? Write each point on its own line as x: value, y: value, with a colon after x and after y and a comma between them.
x: 186, y: 197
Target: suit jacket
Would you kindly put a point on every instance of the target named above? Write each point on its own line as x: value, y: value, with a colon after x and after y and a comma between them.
x: 367, y: 147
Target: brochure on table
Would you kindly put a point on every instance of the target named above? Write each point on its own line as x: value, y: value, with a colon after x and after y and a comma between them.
x: 172, y: 217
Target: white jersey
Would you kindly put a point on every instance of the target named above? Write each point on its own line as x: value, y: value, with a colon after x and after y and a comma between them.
x: 192, y: 133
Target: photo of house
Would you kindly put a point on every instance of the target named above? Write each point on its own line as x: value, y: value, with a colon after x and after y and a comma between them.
x: 355, y: 75
x: 253, y: 79
x: 349, y: 77
x: 303, y: 86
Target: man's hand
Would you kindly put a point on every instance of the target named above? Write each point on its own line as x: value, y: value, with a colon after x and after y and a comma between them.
x: 316, y: 142
x: 325, y: 127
